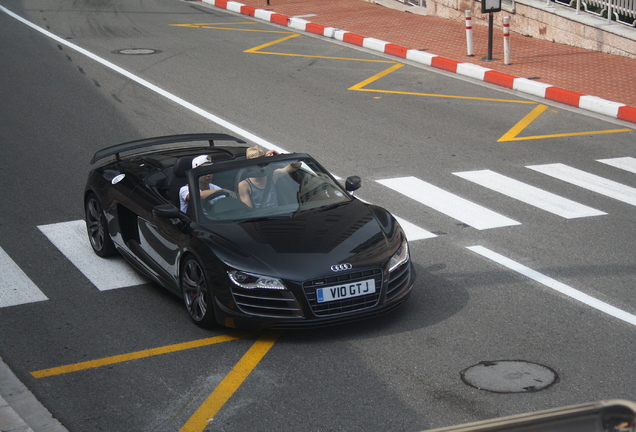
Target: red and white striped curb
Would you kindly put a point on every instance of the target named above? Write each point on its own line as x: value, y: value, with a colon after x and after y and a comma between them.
x: 539, y: 89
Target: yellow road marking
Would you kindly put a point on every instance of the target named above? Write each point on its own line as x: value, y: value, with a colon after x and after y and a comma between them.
x: 361, y: 87
x: 216, y: 26
x: 512, y: 134
x: 376, y: 77
x: 228, y: 386
x: 258, y: 50
x: 137, y: 355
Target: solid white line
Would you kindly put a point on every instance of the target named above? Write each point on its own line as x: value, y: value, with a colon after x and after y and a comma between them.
x: 445, y: 202
x: 589, y: 181
x: 416, y: 233
x: 105, y: 273
x: 237, y: 130
x: 15, y: 286
x: 555, y: 285
x: 624, y: 163
x: 529, y: 194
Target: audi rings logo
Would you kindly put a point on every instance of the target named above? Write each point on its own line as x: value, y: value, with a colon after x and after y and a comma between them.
x: 341, y: 267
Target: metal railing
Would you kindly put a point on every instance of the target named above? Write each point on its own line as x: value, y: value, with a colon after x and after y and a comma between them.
x: 622, y: 11
x: 414, y: 2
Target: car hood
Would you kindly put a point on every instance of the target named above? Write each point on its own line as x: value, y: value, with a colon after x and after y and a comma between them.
x: 306, y: 245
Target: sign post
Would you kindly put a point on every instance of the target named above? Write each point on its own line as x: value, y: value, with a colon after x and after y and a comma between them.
x: 490, y: 6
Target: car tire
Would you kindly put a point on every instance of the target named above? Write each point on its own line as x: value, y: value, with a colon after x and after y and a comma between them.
x: 97, y: 228
x: 196, y: 292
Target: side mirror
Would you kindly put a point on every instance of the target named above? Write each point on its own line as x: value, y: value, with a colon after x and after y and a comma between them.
x: 166, y: 211
x: 353, y: 183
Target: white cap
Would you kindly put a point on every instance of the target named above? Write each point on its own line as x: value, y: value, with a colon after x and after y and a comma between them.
x: 200, y: 160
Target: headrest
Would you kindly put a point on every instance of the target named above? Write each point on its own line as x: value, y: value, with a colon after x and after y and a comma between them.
x: 182, y: 166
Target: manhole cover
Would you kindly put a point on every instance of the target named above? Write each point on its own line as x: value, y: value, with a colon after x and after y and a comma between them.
x: 509, y: 376
x: 137, y: 51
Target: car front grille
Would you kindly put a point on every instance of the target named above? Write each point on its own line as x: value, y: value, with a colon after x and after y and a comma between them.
x: 346, y: 305
x: 267, y: 303
x: 398, y: 281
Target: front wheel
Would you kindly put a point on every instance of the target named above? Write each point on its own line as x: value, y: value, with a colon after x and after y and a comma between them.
x: 196, y: 293
x: 97, y: 228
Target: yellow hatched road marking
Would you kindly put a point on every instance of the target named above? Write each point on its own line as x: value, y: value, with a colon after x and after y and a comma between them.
x: 137, y: 355
x: 512, y: 134
x: 361, y: 87
x: 217, y: 27
x: 228, y: 386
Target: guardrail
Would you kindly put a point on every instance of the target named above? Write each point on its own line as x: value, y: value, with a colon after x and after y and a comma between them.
x: 621, y: 11
x: 414, y: 2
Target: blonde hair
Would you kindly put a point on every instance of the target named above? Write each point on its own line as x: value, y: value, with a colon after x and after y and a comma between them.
x: 254, y: 152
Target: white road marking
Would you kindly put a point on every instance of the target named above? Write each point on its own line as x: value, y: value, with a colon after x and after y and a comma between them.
x: 624, y: 163
x: 589, y: 181
x: 529, y: 194
x: 555, y: 285
x: 105, y: 273
x: 185, y: 104
x: 15, y: 286
x: 414, y: 232
x: 445, y: 202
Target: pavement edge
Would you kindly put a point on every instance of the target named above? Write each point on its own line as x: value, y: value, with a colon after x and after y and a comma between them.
x: 20, y: 411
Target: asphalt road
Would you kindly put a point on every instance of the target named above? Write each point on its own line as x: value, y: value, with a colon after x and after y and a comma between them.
x: 394, y: 124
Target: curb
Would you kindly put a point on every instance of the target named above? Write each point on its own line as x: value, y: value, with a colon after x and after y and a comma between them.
x: 590, y: 103
x: 20, y: 411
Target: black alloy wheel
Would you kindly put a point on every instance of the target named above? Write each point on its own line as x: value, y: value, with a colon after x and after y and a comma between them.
x: 196, y: 293
x: 97, y: 228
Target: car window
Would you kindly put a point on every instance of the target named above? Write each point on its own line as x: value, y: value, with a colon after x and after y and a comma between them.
x: 266, y: 189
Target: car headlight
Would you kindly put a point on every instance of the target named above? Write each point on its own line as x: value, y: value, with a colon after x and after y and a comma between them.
x: 400, y: 256
x: 252, y: 281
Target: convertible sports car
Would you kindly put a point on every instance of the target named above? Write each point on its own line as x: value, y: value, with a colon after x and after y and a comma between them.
x: 310, y: 254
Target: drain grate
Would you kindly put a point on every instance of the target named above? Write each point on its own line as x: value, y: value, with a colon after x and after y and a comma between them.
x: 509, y: 376
x: 137, y: 51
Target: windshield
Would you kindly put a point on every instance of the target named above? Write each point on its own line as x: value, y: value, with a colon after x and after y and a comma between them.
x: 266, y: 189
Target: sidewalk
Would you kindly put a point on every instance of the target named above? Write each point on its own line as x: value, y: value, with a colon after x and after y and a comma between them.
x: 598, y: 82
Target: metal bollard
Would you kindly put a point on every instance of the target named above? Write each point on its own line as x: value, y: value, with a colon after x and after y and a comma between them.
x: 469, y: 34
x: 506, y: 44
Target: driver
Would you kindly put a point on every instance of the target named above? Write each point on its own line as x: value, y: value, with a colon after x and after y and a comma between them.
x: 206, y: 188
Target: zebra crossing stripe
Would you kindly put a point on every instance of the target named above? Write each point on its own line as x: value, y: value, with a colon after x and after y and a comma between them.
x: 445, y: 202
x: 412, y: 231
x: 529, y: 194
x: 592, y: 182
x: 624, y: 163
x: 105, y: 273
x: 15, y: 286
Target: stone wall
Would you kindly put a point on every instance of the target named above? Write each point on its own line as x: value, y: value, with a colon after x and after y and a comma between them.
x: 552, y: 22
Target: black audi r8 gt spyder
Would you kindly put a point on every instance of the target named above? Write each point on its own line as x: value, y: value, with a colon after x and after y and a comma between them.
x: 311, y: 254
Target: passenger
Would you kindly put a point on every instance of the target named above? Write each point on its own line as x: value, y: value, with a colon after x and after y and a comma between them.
x: 254, y: 191
x: 206, y: 188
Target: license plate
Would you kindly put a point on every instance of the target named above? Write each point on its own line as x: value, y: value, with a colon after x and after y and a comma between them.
x: 341, y: 292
